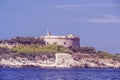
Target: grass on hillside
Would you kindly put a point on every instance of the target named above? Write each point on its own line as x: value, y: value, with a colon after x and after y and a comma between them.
x: 45, y: 49
x: 105, y: 55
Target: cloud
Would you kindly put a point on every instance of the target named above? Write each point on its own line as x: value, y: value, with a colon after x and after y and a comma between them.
x: 87, y: 5
x: 108, y: 16
x: 103, y: 20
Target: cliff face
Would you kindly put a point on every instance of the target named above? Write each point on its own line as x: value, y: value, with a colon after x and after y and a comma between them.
x: 59, y: 60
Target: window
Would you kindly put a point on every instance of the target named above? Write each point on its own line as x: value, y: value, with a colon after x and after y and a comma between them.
x: 64, y: 43
x: 54, y: 42
x: 47, y: 43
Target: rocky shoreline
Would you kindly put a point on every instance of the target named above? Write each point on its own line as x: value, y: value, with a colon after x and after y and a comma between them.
x: 61, y: 60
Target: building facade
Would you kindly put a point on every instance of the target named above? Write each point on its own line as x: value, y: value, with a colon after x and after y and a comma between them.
x: 66, y: 41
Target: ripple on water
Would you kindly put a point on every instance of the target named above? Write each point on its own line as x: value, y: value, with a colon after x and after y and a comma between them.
x: 59, y: 74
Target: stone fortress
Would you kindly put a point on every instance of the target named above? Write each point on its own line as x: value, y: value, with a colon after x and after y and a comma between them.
x: 69, y: 41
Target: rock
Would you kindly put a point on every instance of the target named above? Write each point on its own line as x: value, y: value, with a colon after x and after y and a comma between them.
x: 61, y: 60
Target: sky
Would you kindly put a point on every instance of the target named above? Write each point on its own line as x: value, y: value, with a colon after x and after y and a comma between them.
x: 97, y: 22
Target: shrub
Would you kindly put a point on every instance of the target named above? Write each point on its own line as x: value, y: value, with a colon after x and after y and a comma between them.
x: 25, y: 41
x: 86, y: 50
x: 103, y: 54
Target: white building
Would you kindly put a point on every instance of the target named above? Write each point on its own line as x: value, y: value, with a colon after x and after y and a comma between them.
x: 66, y: 41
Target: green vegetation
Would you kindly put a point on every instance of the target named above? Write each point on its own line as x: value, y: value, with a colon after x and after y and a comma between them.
x: 36, y: 49
x: 25, y: 40
x: 87, y: 50
x: 33, y: 51
x: 32, y: 46
x: 104, y: 55
x: 8, y: 53
x: 100, y: 54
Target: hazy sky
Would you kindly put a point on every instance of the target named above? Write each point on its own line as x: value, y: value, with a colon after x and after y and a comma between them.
x: 97, y: 22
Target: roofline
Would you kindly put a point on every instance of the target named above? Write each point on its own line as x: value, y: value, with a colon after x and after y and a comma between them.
x: 59, y: 38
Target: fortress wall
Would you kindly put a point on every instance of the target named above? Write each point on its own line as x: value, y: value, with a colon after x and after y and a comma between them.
x: 76, y: 43
x: 67, y: 42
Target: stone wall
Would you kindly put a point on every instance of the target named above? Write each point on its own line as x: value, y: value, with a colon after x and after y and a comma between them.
x: 66, y: 42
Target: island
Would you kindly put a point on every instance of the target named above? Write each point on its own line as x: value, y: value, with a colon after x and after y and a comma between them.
x: 53, y: 52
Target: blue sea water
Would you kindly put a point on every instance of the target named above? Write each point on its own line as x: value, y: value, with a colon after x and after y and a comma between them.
x: 59, y: 74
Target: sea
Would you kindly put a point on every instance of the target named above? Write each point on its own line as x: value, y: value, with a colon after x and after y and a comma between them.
x: 59, y: 74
